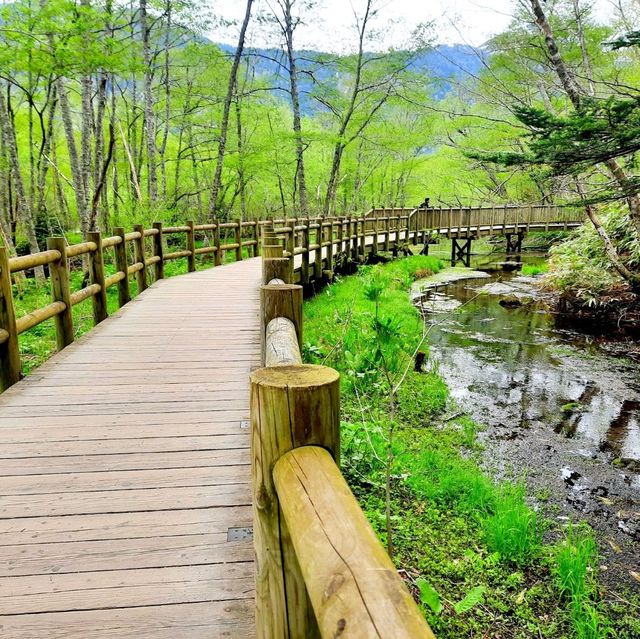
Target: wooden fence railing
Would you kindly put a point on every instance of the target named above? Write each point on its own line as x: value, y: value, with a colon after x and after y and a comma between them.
x: 134, y: 254
x: 321, y: 570
x: 485, y: 220
x: 143, y: 253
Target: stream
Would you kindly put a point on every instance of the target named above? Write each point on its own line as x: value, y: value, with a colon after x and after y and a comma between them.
x: 559, y: 407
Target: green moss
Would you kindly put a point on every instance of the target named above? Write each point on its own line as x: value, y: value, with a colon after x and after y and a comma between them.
x: 534, y: 268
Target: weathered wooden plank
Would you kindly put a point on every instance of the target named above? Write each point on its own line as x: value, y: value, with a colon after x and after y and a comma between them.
x: 118, y: 480
x: 123, y: 554
x: 140, y: 460
x: 119, y: 588
x: 95, y: 396
x: 123, y: 501
x: 208, y: 620
x: 81, y: 410
x: 188, y: 419
x: 127, y: 525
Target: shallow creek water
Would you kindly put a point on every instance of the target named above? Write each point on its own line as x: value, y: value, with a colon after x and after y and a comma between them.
x: 561, y: 407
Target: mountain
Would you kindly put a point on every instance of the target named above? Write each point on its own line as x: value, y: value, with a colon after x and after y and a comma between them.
x: 442, y: 65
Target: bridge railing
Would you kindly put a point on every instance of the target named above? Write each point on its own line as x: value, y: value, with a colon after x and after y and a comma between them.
x: 489, y: 219
x: 321, y: 570
x: 141, y: 253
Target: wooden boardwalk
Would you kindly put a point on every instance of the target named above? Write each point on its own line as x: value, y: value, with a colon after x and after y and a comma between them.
x: 125, y: 470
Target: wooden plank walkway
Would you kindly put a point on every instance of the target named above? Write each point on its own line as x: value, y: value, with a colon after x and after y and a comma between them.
x: 124, y: 462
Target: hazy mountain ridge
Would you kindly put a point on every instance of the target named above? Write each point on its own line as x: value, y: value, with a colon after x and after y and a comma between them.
x: 442, y: 65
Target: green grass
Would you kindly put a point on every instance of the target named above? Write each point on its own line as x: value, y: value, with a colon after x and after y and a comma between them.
x: 575, y: 564
x: 454, y: 527
x: 534, y: 268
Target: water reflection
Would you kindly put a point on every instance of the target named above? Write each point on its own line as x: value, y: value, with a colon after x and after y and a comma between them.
x: 513, y: 369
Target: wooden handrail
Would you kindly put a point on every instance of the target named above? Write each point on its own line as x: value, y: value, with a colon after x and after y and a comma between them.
x: 56, y: 258
x: 321, y: 571
x: 354, y: 588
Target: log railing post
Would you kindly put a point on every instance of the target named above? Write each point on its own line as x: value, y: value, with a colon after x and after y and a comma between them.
x: 138, y: 246
x: 256, y: 238
x: 362, y: 238
x: 282, y: 300
x: 330, y: 247
x: 59, y: 271
x: 191, y: 246
x: 289, y: 238
x: 255, y: 250
x: 120, y: 249
x: 353, y: 238
x: 276, y: 268
x: 9, y: 349
x: 413, y: 216
x: 217, y: 256
x: 96, y: 273
x: 238, y: 233
x: 374, y: 245
x: 158, y: 250
x: 291, y: 406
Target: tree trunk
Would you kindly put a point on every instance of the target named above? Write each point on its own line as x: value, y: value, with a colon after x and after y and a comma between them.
x: 295, y: 103
x: 43, y: 165
x: 149, y: 122
x: 224, y: 125
x: 25, y: 214
x: 76, y: 171
x: 167, y: 96
x: 86, y: 127
x: 241, y: 174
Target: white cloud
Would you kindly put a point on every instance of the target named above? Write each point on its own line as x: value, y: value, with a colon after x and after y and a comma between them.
x: 330, y: 26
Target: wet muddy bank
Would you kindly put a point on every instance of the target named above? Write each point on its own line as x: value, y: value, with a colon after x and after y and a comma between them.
x: 560, y: 406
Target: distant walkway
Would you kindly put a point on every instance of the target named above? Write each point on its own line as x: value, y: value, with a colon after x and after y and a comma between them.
x: 124, y: 472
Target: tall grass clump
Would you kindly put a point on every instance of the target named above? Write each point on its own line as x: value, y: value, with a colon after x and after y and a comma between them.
x: 575, y: 559
x: 513, y: 528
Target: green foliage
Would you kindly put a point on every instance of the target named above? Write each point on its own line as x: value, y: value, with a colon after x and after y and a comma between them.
x: 429, y: 595
x: 534, y: 268
x: 513, y: 528
x: 575, y: 562
x: 470, y: 600
x: 631, y: 39
x: 579, y: 265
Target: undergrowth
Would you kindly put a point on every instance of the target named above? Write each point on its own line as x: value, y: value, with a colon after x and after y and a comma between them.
x: 580, y: 265
x: 473, y: 551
